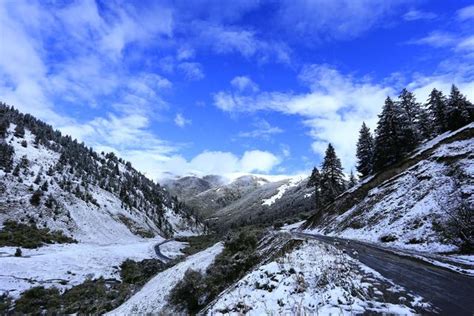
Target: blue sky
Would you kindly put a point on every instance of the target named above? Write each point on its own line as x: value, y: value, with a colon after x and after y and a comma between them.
x: 227, y: 86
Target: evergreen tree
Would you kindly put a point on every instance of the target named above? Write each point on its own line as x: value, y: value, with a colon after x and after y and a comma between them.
x: 389, y: 137
x: 459, y: 110
x: 19, y: 131
x: 409, y: 116
x: 36, y: 197
x: 352, y: 180
x: 332, y: 177
x: 315, y: 182
x: 425, y: 124
x: 437, y: 107
x: 6, y: 157
x: 3, y: 128
x: 365, y: 151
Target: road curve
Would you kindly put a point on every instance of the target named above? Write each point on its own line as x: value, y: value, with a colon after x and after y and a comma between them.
x: 161, y: 256
x: 450, y: 292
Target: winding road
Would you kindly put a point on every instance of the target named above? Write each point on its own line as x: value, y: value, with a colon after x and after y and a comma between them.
x: 452, y: 293
x: 160, y: 255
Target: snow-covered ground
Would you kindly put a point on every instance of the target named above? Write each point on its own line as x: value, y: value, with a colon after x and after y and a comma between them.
x: 172, y: 249
x: 66, y: 265
x: 151, y: 299
x: 314, y: 279
x: 282, y: 189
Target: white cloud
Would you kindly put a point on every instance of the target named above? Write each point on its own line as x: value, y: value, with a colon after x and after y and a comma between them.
x: 436, y: 39
x: 337, y: 19
x: 466, y: 13
x: 180, y: 121
x: 243, y: 83
x: 414, y: 15
x: 336, y: 104
x: 466, y: 44
x: 191, y: 70
x: 207, y: 162
x: 263, y: 130
x: 333, y: 109
x: 185, y: 54
x: 226, y: 40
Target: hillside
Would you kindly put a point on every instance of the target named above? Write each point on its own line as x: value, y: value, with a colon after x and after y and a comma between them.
x: 423, y: 203
x: 246, y: 200
x: 91, y: 197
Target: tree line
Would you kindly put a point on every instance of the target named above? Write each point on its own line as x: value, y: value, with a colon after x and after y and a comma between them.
x: 403, y: 124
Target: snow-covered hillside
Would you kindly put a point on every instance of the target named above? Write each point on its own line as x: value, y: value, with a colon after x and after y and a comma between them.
x: 411, y: 205
x: 116, y: 205
x: 152, y: 298
x: 314, y: 279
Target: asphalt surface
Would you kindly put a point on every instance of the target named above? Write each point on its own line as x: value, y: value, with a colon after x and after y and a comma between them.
x: 161, y: 256
x: 450, y: 292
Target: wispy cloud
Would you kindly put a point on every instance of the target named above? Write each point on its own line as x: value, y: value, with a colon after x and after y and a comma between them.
x: 191, y: 70
x: 466, y: 13
x: 263, y: 130
x: 180, y: 121
x: 415, y: 15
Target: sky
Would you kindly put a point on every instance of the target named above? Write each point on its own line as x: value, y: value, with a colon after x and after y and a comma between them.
x: 218, y: 87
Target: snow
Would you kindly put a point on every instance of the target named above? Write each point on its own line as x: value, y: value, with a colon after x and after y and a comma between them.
x: 433, y: 142
x: 74, y: 263
x: 181, y: 227
x: 282, y: 189
x: 172, y: 248
x: 151, y: 299
x: 290, y: 227
x: 312, y: 279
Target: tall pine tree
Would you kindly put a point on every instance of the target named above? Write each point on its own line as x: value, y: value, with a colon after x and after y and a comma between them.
x: 437, y: 107
x: 459, y: 109
x: 332, y: 177
x: 365, y: 151
x: 389, y: 136
x: 315, y: 182
x: 409, y: 116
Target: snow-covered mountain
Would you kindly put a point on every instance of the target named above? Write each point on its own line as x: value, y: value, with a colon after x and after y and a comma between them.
x: 245, y: 200
x: 422, y: 203
x: 53, y: 181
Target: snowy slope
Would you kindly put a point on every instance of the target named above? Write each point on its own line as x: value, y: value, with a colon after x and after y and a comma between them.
x: 67, y: 265
x: 409, y: 208
x: 314, y: 279
x: 152, y: 298
x: 105, y: 221
x: 282, y: 189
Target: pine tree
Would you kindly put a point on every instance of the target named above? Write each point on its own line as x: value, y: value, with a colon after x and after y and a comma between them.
x: 437, y: 107
x: 6, y: 157
x: 425, y: 124
x: 389, y: 137
x: 3, y: 127
x: 36, y: 197
x: 365, y: 151
x: 409, y: 117
x: 352, y: 180
x: 332, y: 177
x: 459, y: 110
x: 315, y: 182
x: 19, y: 131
